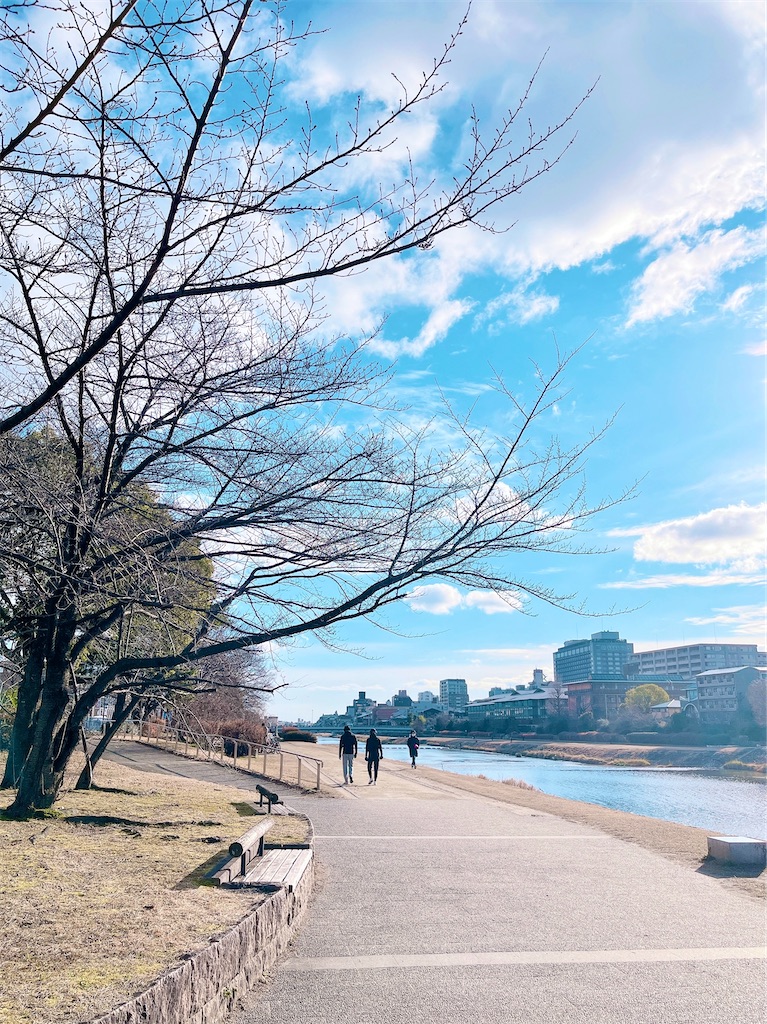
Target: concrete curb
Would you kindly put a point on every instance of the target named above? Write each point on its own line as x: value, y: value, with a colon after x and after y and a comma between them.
x: 207, y: 986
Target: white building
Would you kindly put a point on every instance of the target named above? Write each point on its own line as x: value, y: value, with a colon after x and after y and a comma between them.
x: 453, y: 695
x: 692, y: 659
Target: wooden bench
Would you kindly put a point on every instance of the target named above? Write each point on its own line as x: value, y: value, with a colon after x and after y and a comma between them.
x: 251, y: 865
x: 268, y: 795
x: 243, y: 851
x: 283, y: 868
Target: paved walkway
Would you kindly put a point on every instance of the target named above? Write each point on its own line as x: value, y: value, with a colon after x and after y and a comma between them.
x: 436, y: 906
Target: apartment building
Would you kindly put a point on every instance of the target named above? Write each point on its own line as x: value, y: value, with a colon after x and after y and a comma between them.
x: 692, y: 659
x: 453, y: 695
x: 722, y: 692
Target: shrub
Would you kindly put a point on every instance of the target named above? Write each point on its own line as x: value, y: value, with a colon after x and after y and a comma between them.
x: 252, y: 730
x: 744, y: 766
x: 240, y: 745
x: 297, y: 735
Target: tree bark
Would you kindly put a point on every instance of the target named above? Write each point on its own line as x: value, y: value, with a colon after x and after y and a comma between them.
x: 123, y: 710
x: 24, y: 720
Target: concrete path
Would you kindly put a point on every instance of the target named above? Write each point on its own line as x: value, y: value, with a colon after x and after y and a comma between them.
x: 433, y: 905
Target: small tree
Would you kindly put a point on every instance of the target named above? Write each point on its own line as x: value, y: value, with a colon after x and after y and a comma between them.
x: 642, y: 698
x: 557, y: 705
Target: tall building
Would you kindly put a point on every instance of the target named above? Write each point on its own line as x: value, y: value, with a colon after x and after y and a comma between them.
x: 453, y: 694
x: 604, y: 656
x: 692, y: 659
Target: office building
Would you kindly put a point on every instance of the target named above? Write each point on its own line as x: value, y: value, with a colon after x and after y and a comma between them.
x: 603, y: 696
x: 604, y: 656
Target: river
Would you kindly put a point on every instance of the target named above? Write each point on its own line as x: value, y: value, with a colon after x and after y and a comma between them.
x: 714, y: 800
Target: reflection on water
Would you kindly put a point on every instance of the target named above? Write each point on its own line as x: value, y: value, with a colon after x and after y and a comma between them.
x: 712, y: 800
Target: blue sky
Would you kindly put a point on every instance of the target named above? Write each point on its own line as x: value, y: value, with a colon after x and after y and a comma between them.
x: 645, y: 244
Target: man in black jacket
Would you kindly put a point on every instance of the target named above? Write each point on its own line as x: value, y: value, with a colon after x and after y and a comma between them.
x: 347, y: 751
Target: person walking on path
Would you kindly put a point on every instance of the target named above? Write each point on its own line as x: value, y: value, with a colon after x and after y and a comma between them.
x: 373, y: 754
x: 413, y: 743
x: 347, y: 751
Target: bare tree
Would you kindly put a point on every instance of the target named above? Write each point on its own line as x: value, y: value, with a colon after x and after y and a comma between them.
x: 157, y: 169
x: 557, y: 704
x: 190, y: 465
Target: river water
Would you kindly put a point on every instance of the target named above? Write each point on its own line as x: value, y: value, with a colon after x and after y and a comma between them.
x: 714, y: 800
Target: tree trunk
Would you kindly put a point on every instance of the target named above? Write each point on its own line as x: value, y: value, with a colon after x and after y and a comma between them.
x: 39, y: 782
x: 86, y: 775
x: 42, y: 772
x: 24, y: 719
x: 123, y: 709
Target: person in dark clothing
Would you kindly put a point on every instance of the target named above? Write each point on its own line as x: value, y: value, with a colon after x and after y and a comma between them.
x: 347, y: 751
x: 413, y: 743
x: 373, y: 754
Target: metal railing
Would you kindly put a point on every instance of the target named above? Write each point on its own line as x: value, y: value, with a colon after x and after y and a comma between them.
x: 269, y: 761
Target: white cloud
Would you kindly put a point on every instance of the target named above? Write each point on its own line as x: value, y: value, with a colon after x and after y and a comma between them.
x: 437, y: 325
x: 520, y: 306
x: 443, y: 599
x: 435, y: 598
x: 666, y: 150
x: 673, y: 281
x: 732, y: 539
x: 745, y: 619
x: 738, y: 299
x: 732, y: 534
x: 666, y: 580
x: 758, y: 348
x: 493, y: 604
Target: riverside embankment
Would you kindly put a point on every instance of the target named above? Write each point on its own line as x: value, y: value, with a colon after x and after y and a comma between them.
x: 753, y: 758
x: 719, y: 800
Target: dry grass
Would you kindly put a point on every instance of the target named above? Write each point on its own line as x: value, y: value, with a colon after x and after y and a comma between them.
x: 104, y: 895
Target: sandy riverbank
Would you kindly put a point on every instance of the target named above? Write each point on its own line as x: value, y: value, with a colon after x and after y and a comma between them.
x: 659, y: 756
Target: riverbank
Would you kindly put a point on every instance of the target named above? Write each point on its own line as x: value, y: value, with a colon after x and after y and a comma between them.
x: 731, y: 758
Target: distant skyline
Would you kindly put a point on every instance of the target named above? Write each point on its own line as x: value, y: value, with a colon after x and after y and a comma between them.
x: 645, y: 245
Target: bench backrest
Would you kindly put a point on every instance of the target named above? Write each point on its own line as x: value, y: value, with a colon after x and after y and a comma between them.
x: 252, y: 843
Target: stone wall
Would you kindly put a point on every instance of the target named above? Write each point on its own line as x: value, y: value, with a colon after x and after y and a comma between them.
x: 207, y: 986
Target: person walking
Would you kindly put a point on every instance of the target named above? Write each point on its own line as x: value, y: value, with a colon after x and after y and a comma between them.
x: 373, y: 754
x: 347, y: 751
x: 413, y: 743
